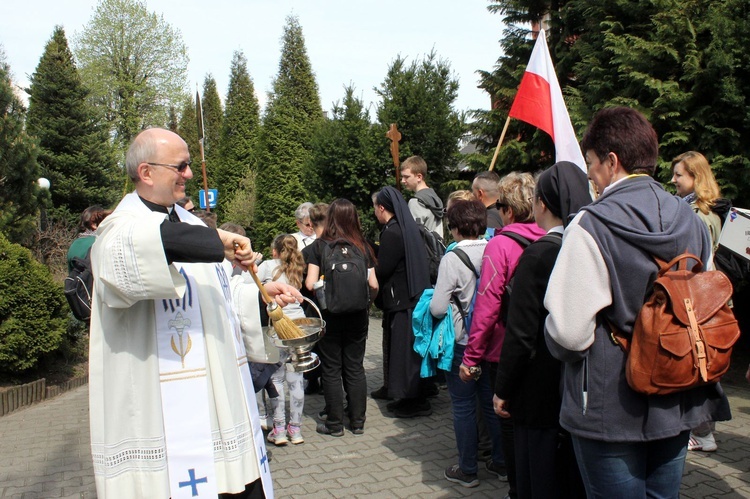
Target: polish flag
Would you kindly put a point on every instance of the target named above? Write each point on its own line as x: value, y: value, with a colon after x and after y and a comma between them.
x: 539, y: 102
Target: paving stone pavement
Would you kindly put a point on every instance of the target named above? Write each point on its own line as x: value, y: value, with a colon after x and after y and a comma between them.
x: 45, y: 453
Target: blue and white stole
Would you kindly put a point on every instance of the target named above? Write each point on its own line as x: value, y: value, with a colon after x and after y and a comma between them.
x: 183, y: 375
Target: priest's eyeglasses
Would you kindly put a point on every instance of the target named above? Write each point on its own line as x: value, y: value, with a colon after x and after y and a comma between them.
x: 180, y: 168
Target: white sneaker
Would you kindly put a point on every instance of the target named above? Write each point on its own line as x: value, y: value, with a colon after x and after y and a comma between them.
x: 295, y: 434
x: 278, y: 436
x: 705, y: 444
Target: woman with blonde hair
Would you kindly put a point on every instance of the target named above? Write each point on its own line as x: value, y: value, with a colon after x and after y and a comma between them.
x: 286, y: 266
x: 695, y: 183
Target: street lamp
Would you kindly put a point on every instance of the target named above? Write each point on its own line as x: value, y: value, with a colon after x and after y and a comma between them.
x: 44, y: 186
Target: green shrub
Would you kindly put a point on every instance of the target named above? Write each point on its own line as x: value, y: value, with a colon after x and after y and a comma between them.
x: 33, y: 310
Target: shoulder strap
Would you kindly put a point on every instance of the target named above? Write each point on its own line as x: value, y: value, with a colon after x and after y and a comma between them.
x: 461, y: 254
x: 455, y: 300
x: 326, y: 247
x: 554, y: 237
x: 81, y: 264
x: 524, y: 242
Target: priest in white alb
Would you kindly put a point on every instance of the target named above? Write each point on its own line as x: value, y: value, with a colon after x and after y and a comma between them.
x: 173, y: 410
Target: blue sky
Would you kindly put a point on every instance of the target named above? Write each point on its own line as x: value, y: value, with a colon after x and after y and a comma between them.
x: 348, y: 42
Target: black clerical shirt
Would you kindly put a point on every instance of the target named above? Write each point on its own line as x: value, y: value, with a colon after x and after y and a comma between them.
x: 185, y: 242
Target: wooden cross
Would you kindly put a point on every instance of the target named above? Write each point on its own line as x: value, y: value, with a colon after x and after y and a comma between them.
x: 395, y: 137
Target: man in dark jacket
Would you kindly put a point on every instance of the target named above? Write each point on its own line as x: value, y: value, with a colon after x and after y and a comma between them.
x: 485, y: 188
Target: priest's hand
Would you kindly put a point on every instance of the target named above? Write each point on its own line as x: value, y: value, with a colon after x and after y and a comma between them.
x: 501, y: 406
x: 284, y: 294
x: 237, y: 249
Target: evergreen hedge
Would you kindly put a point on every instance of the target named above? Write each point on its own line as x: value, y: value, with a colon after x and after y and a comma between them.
x: 33, y: 310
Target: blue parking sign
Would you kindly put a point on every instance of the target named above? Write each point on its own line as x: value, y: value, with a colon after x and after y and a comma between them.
x: 213, y: 196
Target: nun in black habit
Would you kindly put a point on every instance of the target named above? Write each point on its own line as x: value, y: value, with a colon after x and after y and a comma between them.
x: 527, y: 385
x: 402, y: 269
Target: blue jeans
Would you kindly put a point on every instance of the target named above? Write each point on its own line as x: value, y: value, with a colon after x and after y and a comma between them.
x: 464, y: 400
x: 632, y: 469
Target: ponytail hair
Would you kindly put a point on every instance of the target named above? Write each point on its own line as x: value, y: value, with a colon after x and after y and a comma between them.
x: 292, y: 262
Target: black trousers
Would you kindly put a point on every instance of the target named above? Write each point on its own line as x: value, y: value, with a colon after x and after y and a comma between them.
x: 536, y: 456
x: 342, y: 354
x: 509, y: 448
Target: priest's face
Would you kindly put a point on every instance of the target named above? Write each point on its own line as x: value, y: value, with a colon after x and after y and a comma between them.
x: 167, y: 181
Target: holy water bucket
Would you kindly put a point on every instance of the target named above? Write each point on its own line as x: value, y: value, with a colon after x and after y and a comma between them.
x: 302, y: 358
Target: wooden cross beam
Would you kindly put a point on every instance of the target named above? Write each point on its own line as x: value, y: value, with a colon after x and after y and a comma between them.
x: 395, y: 137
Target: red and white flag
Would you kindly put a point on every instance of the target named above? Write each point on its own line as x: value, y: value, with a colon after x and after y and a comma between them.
x: 539, y: 102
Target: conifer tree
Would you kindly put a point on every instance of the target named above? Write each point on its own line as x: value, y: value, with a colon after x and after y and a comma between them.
x: 419, y: 98
x: 239, y: 135
x: 683, y: 64
x: 345, y: 157
x: 213, y: 115
x: 76, y: 155
x: 19, y: 194
x: 292, y: 113
x: 172, y: 119
x: 718, y: 118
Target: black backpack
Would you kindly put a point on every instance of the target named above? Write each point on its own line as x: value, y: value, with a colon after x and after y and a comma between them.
x: 736, y: 267
x: 345, y: 273
x: 504, y: 304
x: 79, y: 287
x: 435, y: 247
x: 555, y: 237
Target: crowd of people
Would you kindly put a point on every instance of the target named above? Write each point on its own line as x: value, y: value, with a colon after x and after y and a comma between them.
x: 538, y: 272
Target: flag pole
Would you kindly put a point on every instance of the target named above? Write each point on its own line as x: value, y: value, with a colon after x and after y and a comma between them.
x: 499, y: 143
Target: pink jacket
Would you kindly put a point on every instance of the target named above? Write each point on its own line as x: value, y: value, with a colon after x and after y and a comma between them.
x: 498, y: 263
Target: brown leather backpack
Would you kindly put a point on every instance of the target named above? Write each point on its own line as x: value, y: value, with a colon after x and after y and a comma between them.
x: 684, y: 333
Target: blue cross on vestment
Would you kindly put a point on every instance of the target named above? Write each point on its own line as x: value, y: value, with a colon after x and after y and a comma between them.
x: 193, y: 482
x: 263, y: 459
